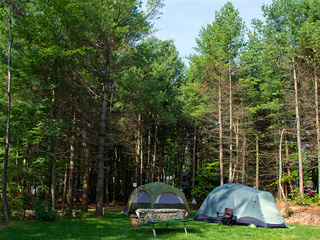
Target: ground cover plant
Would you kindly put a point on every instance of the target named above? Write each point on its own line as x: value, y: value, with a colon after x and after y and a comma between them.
x: 114, y: 225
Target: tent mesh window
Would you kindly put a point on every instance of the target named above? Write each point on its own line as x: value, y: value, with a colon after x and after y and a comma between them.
x: 140, y: 200
x: 141, y: 197
x: 168, y: 198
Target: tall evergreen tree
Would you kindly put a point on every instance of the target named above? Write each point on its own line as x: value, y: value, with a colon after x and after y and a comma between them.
x: 7, y: 144
x: 121, y: 24
x: 284, y: 19
x: 219, y: 43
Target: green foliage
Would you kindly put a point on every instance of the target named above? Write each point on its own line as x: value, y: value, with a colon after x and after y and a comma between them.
x: 285, y: 177
x: 222, y: 39
x: 67, y: 213
x: 61, y: 49
x: 17, y: 201
x: 316, y: 199
x: 205, y: 179
x: 306, y: 200
x: 17, y: 205
x: 195, y: 104
x: 151, y: 84
x: 79, y: 214
x: 2, y: 217
x: 43, y: 210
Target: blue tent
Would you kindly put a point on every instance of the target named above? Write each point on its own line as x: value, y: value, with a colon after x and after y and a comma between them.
x: 250, y: 206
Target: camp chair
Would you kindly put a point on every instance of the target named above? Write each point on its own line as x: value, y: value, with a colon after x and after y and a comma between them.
x: 227, y: 218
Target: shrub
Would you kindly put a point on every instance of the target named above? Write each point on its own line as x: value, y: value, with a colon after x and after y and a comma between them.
x: 16, y: 206
x: 288, y: 212
x: 2, y: 217
x: 205, y: 178
x: 306, y: 200
x: 67, y: 213
x: 43, y: 210
x: 79, y: 213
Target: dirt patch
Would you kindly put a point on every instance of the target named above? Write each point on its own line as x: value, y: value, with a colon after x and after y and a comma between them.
x: 119, y: 207
x: 300, y: 214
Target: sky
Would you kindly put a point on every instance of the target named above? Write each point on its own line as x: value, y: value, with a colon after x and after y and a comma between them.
x: 181, y: 20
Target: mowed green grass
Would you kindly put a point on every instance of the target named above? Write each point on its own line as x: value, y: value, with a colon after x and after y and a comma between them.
x: 115, y: 225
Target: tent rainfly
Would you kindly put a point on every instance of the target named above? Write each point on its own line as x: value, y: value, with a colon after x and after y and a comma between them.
x: 250, y: 206
x: 156, y: 195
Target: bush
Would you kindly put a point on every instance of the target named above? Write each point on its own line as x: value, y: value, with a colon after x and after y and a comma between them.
x: 67, y: 213
x: 316, y: 199
x: 2, y: 217
x: 205, y: 178
x: 79, y: 214
x: 43, y: 210
x: 16, y: 207
x: 306, y: 200
x: 288, y: 212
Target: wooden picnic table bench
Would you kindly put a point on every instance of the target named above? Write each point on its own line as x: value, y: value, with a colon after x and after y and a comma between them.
x: 154, y: 216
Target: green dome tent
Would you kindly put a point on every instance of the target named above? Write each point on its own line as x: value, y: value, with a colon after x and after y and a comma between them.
x: 156, y: 195
x: 250, y: 206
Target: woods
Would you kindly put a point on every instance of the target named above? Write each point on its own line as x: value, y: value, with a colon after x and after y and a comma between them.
x: 95, y: 103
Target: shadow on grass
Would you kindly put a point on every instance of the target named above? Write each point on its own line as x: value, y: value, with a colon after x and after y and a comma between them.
x: 113, y: 225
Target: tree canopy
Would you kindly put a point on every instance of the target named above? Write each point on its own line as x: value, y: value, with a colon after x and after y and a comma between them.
x: 99, y: 104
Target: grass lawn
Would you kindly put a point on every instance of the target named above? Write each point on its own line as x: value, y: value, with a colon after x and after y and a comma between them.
x: 115, y: 225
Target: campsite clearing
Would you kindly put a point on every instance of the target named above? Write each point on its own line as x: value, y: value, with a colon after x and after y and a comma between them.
x: 115, y: 225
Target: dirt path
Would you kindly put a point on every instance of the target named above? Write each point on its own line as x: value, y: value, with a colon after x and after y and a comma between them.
x: 300, y: 214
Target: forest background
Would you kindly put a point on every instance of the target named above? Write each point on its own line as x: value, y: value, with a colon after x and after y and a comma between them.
x: 92, y: 103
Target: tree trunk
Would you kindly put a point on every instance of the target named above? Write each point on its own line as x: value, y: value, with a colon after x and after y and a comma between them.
x: 220, y: 134
x: 138, y: 164
x: 182, y: 160
x: 280, y: 167
x: 288, y: 167
x: 7, y: 144
x: 317, y: 124
x: 301, y: 182
x: 85, y: 185
x: 235, y: 167
x: 194, y: 156
x: 102, y: 139
x: 53, y: 174
x: 177, y: 163
x: 107, y: 180
x: 65, y: 179
x: 141, y: 151
x: 257, y: 162
x: 115, y: 176
x: 244, y: 147
x: 149, y: 153
x: 230, y: 127
x: 154, y: 154
x: 54, y: 154
x: 71, y: 168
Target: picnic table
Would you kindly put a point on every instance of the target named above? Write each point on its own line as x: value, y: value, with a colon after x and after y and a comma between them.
x: 153, y: 216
